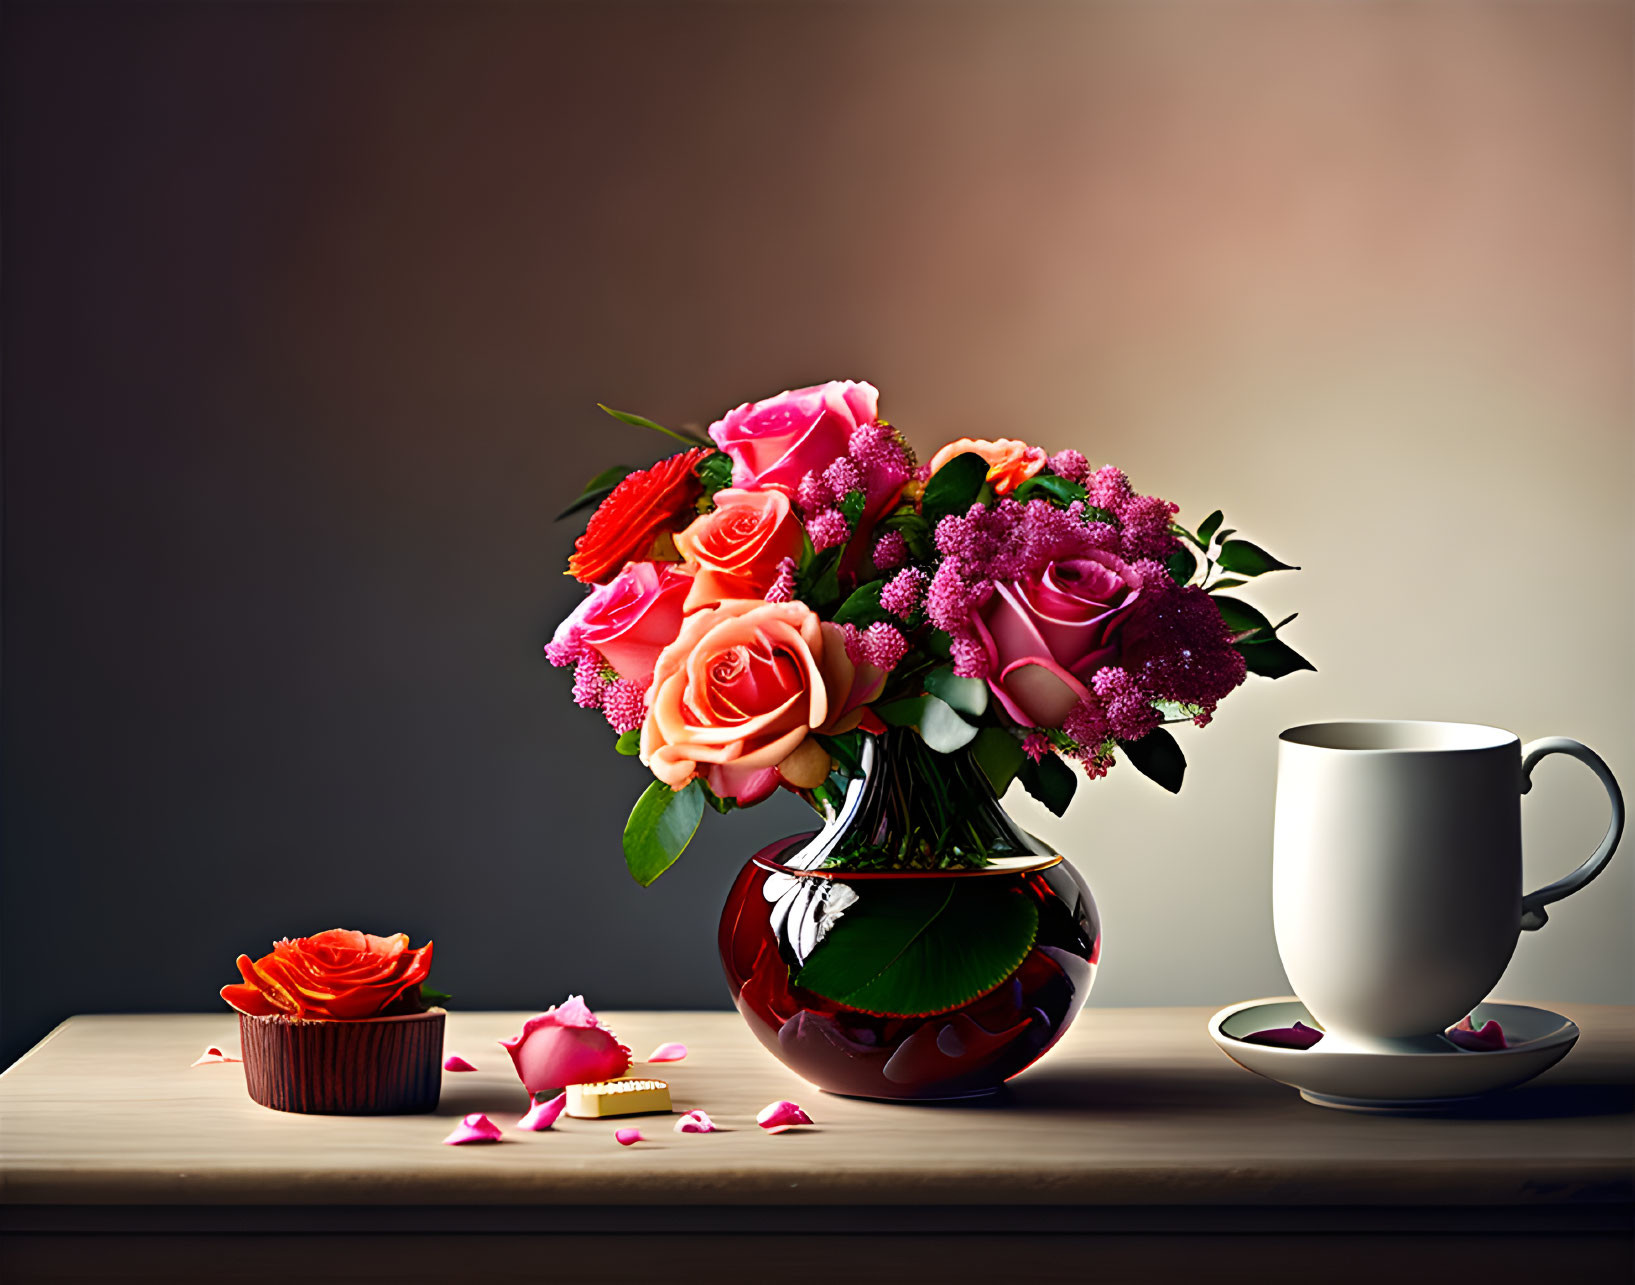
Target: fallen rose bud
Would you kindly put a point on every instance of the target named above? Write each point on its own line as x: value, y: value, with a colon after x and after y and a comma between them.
x: 625, y: 1137
x: 214, y: 1054
x: 454, y: 1062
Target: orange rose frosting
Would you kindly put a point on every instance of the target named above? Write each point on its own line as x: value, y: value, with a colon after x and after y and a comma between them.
x: 337, y: 974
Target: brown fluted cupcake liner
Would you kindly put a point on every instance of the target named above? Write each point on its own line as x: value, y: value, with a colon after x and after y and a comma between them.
x: 372, y: 1066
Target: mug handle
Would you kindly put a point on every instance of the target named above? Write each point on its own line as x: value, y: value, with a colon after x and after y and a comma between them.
x: 1533, y: 904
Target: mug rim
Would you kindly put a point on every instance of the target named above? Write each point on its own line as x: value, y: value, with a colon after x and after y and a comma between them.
x: 1456, y: 738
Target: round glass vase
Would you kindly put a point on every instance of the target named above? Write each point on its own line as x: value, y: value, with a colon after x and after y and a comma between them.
x: 936, y: 981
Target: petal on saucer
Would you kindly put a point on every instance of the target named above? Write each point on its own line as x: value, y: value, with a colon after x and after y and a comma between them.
x: 1486, y: 1040
x: 1298, y: 1036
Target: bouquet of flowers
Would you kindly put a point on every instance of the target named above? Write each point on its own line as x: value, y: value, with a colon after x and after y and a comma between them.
x: 764, y: 600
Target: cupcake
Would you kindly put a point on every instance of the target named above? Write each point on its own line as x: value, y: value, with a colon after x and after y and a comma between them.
x: 339, y: 1024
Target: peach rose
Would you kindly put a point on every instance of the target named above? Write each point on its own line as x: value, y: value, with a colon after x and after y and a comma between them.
x: 1010, y: 462
x: 735, y: 698
x: 737, y: 546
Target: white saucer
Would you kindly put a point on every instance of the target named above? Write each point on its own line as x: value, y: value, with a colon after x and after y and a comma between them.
x: 1538, y: 1039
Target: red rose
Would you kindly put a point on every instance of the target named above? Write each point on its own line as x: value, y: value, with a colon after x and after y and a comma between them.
x: 336, y: 974
x: 641, y: 508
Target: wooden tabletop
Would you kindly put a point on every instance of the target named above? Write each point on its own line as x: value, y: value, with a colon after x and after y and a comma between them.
x: 1135, y: 1107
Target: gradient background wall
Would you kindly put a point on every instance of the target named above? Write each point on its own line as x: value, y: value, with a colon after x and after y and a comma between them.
x: 307, y: 308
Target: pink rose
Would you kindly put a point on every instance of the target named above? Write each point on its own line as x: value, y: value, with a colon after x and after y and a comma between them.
x: 737, y: 547
x: 736, y: 697
x: 776, y: 442
x: 566, y: 1044
x: 1010, y: 462
x: 1046, y: 637
x: 632, y: 618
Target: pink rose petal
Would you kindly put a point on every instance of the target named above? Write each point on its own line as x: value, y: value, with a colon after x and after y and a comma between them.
x: 214, y: 1054
x: 1487, y: 1040
x: 454, y: 1062
x: 668, y: 1053
x: 542, y: 1115
x: 696, y: 1122
x: 625, y: 1137
x: 476, y: 1127
x: 778, y: 1116
x: 1298, y: 1036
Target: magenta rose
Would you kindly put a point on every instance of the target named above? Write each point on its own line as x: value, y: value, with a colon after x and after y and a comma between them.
x: 633, y: 617
x: 1045, y: 637
x: 776, y: 442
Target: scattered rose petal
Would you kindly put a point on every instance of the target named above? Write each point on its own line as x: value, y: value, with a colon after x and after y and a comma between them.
x: 668, y: 1053
x: 1487, y: 1040
x: 779, y: 1116
x: 625, y: 1137
x: 1298, y: 1036
x: 476, y: 1127
x: 454, y: 1062
x: 542, y: 1115
x: 564, y: 1045
x: 214, y: 1054
x: 696, y: 1122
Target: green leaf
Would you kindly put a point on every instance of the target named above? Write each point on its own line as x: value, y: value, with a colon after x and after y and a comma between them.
x: 1157, y: 755
x: 851, y: 507
x: 629, y: 743
x: 715, y: 472
x: 967, y: 695
x: 641, y: 421
x: 846, y: 750
x: 1208, y: 527
x: 910, y: 948
x: 863, y: 607
x: 817, y: 579
x: 1050, y: 781
x: 999, y: 755
x: 1245, y: 559
x: 1094, y: 514
x: 1047, y: 486
x: 935, y: 720
x: 597, y: 489
x: 954, y: 487
x: 939, y: 644
x: 1226, y: 582
x: 1273, y: 658
x: 1175, y: 528
x: 430, y: 996
x: 1181, y: 564
x: 1240, y: 617
x: 660, y: 827
x: 915, y: 530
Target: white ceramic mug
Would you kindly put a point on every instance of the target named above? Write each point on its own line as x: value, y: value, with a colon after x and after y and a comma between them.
x: 1396, y: 884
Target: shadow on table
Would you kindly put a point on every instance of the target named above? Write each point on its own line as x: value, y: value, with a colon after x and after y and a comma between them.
x: 1128, y: 1090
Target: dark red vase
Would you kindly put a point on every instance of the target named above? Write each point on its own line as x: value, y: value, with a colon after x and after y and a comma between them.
x: 786, y: 917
